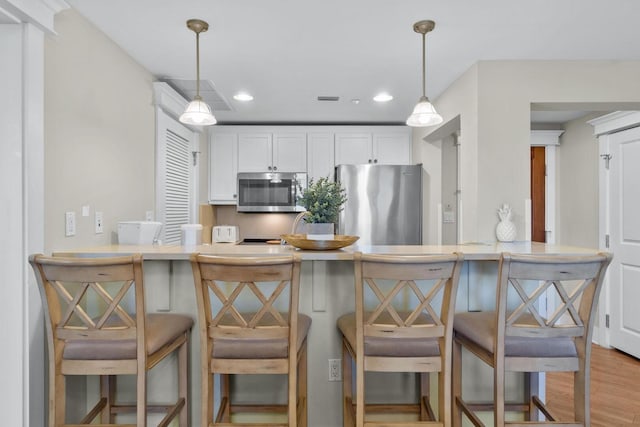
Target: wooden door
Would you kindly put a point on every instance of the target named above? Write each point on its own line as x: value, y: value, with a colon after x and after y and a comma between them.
x: 624, y: 271
x: 538, y: 182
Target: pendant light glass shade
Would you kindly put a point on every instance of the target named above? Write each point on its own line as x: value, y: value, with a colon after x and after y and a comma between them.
x: 424, y: 113
x: 197, y: 112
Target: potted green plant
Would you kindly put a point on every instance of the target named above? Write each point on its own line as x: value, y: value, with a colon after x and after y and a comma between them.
x: 323, y: 200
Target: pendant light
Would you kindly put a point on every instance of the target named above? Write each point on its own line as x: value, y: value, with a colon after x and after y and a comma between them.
x: 424, y: 113
x: 197, y: 111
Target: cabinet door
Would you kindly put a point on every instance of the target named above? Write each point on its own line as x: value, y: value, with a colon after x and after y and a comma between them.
x: 223, y: 168
x: 353, y: 148
x: 254, y: 152
x: 290, y: 152
x: 320, y: 156
x: 392, y: 148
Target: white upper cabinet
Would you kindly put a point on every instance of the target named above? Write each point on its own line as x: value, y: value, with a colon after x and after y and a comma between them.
x: 223, y: 168
x: 267, y: 152
x: 320, y: 155
x: 392, y: 148
x: 289, y: 152
x: 377, y: 147
x: 315, y: 150
x: 254, y: 152
x: 353, y: 148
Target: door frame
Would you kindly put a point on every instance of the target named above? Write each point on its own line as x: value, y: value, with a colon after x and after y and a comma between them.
x: 550, y: 139
x: 603, y: 127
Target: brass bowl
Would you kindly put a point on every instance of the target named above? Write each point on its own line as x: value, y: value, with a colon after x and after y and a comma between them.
x: 301, y: 241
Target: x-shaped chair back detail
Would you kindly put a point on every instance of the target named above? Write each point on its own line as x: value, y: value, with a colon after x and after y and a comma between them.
x: 224, y: 281
x: 576, y: 282
x: 91, y: 299
x: 429, y: 317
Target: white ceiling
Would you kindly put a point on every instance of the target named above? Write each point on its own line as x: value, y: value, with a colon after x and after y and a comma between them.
x: 288, y: 52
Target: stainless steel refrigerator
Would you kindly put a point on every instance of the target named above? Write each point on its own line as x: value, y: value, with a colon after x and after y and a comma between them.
x: 384, y: 203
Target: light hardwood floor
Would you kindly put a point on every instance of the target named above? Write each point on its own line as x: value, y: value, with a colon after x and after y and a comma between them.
x: 615, y: 390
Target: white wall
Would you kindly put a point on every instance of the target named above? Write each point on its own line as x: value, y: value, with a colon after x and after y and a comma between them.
x: 577, y: 184
x: 461, y: 98
x: 494, y: 150
x: 99, y: 134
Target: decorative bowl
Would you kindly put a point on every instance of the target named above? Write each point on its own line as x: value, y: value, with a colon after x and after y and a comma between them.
x: 301, y: 241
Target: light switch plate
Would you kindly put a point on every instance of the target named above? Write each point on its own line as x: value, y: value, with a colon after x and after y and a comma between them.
x: 99, y: 223
x: 69, y: 224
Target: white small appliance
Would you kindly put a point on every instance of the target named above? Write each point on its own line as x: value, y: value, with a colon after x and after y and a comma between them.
x: 191, y: 234
x: 138, y: 232
x: 225, y: 234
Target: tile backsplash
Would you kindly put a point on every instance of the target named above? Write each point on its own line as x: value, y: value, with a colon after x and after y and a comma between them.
x: 253, y: 225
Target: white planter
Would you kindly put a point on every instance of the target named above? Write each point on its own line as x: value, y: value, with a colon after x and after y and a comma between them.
x: 320, y: 231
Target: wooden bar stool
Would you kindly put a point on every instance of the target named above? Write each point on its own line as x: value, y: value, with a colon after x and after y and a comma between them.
x: 520, y: 337
x: 96, y: 325
x: 249, y: 324
x: 408, y: 329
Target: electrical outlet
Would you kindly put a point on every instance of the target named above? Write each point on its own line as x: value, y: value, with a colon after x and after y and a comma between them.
x: 335, y: 370
x: 69, y: 224
x: 148, y: 216
x: 99, y: 223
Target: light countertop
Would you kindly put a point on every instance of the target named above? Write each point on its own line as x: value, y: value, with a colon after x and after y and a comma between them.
x: 479, y: 251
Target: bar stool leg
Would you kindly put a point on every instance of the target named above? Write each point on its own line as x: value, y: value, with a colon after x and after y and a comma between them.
x: 347, y: 386
x: 183, y: 382
x: 457, y: 384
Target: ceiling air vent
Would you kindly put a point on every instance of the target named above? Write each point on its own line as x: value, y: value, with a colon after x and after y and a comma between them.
x: 328, y: 98
x: 208, y: 92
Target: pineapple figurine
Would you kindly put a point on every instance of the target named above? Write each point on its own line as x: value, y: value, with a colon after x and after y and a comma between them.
x: 506, y: 229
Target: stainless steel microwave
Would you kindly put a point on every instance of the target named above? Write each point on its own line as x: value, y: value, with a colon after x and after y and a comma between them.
x: 270, y: 191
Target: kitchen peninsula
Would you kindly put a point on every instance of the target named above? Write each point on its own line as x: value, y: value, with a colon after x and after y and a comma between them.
x: 326, y: 292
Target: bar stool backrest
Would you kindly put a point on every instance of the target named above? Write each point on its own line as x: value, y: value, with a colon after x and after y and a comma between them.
x: 527, y: 279
x: 92, y: 299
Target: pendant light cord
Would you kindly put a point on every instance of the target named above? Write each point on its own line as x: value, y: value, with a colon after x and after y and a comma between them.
x: 198, y: 64
x: 424, y: 74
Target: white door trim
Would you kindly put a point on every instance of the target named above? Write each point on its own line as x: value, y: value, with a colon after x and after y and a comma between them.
x: 604, y: 126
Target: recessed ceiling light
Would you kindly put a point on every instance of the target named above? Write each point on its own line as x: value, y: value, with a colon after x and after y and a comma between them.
x: 355, y: 101
x: 242, y: 96
x: 382, y: 97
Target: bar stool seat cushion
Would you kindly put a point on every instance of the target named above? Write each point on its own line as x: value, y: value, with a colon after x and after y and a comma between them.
x: 480, y: 328
x: 390, y: 347
x: 161, y: 328
x: 245, y: 348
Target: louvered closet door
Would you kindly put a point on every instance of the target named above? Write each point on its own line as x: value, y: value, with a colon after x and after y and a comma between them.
x: 176, y: 177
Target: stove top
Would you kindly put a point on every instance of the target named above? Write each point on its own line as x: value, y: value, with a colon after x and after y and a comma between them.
x: 259, y: 241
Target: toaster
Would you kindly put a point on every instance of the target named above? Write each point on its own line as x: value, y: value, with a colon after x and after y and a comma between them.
x: 225, y: 234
